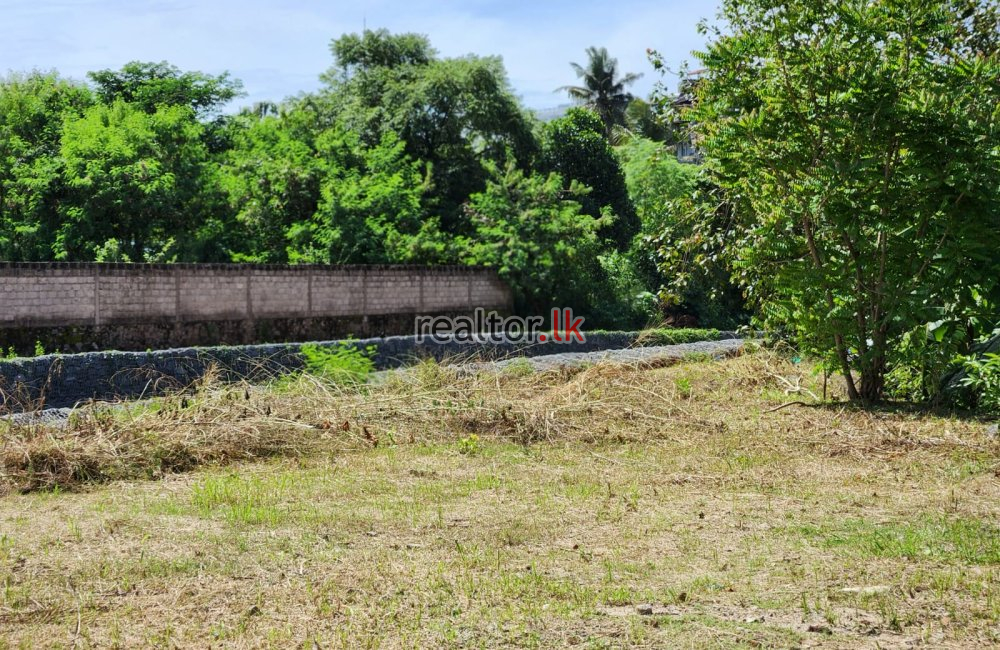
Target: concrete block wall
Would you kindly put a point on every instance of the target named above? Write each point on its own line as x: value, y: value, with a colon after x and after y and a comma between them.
x: 52, y: 294
x: 31, y: 295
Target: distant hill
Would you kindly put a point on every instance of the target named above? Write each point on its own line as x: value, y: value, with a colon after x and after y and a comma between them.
x: 549, y: 114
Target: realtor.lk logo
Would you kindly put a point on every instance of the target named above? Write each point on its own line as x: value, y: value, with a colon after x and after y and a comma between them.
x: 491, y: 327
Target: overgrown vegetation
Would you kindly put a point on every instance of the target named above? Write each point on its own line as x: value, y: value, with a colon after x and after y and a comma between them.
x: 402, y: 157
x: 342, y: 364
x: 851, y: 173
x: 846, y: 195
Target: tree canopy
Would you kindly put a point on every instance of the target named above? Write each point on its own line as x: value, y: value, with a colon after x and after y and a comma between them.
x: 854, y: 145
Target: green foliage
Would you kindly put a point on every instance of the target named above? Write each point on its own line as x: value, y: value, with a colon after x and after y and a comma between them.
x: 150, y: 86
x: 370, y: 208
x: 625, y: 300
x: 655, y: 180
x: 574, y: 147
x: 402, y: 157
x: 11, y: 353
x: 453, y: 114
x: 32, y: 110
x: 134, y: 177
x: 666, y: 336
x: 534, y: 234
x: 342, y: 364
x: 851, y: 171
x: 643, y: 120
x: 470, y: 445
x: 272, y: 178
x: 982, y: 376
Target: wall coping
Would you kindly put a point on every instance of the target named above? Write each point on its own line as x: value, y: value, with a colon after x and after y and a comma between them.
x: 121, y: 266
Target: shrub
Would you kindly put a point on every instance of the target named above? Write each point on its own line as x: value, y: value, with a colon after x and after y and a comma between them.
x: 663, y: 336
x: 343, y: 363
x: 982, y: 375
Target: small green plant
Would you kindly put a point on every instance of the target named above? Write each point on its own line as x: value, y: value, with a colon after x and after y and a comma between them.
x: 469, y: 445
x: 683, y: 385
x: 11, y: 353
x: 39, y: 349
x: 343, y: 363
x: 519, y: 368
x: 983, y: 377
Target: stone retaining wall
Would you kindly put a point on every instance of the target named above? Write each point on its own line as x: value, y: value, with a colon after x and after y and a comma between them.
x: 55, y: 381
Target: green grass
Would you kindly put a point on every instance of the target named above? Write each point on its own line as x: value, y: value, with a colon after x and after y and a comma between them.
x: 954, y: 540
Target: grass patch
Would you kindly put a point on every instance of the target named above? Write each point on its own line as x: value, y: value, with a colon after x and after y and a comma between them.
x: 961, y: 540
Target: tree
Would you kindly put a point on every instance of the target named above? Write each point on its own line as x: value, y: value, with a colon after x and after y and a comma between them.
x: 643, y: 120
x: 532, y: 231
x: 451, y: 113
x: 574, y: 146
x: 370, y: 209
x: 151, y: 85
x: 32, y: 110
x: 272, y: 178
x: 603, y: 90
x: 143, y: 180
x: 853, y: 147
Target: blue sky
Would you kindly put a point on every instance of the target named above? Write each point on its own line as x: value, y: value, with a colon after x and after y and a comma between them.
x: 279, y: 48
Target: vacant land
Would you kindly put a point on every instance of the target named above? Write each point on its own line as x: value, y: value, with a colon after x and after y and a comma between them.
x: 610, y: 506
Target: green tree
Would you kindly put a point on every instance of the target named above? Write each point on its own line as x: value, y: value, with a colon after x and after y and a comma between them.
x: 143, y: 180
x: 370, y: 207
x: 451, y: 113
x: 272, y: 177
x: 151, y: 85
x: 574, y: 146
x: 642, y: 119
x: 532, y: 231
x: 654, y: 180
x: 853, y: 147
x: 603, y: 90
x: 32, y: 110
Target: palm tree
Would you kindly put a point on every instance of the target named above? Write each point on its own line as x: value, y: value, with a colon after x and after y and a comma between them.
x: 602, y: 90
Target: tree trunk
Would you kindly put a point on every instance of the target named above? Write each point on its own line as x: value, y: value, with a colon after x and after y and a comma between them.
x: 873, y: 379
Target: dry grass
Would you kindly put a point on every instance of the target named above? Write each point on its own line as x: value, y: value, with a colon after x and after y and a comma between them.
x: 504, y: 509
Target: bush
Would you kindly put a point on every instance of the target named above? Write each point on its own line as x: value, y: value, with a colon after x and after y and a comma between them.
x: 343, y: 364
x: 982, y: 376
x: 663, y: 336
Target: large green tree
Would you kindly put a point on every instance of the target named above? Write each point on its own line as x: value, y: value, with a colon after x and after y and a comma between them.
x: 453, y: 114
x: 139, y: 181
x: 531, y: 229
x: 272, y: 176
x: 851, y: 148
x: 603, y: 89
x: 33, y: 108
x: 151, y: 85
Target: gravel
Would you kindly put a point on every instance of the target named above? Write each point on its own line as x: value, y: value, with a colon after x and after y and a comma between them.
x: 634, y: 356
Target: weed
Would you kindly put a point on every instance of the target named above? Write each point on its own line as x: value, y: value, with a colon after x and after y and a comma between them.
x: 342, y: 364
x: 469, y: 445
x: 683, y: 385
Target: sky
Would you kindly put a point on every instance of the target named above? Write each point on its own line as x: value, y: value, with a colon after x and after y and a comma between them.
x: 279, y: 49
